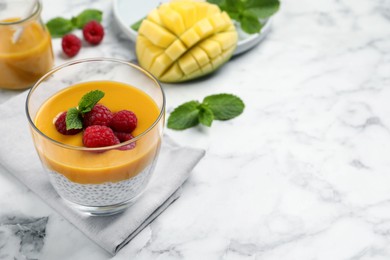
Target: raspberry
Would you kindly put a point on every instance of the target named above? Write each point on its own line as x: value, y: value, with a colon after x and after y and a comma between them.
x: 99, y: 136
x: 60, y: 125
x: 93, y: 32
x: 71, y: 45
x: 123, y: 137
x: 124, y: 121
x: 99, y: 115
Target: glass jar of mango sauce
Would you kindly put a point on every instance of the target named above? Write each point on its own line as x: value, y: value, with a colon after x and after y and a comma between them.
x: 25, y: 44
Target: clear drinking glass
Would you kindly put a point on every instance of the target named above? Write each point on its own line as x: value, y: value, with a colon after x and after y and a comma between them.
x: 25, y: 44
x: 104, y: 180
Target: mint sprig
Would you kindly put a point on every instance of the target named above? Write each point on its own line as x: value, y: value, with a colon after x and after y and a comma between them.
x: 74, y: 116
x: 214, y: 107
x: 86, y: 16
x: 73, y: 119
x: 89, y: 100
x: 60, y: 26
x: 248, y: 13
x: 206, y: 115
x: 184, y: 116
x: 224, y: 106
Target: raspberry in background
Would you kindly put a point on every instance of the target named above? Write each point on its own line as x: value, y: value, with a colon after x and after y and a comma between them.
x: 60, y: 125
x: 99, y: 136
x: 71, y: 45
x: 124, y: 121
x: 93, y: 32
x: 99, y: 115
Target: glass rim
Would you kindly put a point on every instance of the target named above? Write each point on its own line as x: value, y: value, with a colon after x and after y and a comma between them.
x: 104, y: 148
x: 31, y: 16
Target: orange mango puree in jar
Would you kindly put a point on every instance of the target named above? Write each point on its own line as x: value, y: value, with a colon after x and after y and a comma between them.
x: 91, y: 167
x: 23, y: 62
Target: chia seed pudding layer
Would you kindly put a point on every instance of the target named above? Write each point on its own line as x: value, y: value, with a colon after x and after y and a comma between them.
x: 104, y: 194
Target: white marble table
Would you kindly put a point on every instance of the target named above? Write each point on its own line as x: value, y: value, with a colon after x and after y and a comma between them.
x: 304, y: 173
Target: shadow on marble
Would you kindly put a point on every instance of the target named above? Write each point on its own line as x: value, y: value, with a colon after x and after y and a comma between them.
x: 22, y: 237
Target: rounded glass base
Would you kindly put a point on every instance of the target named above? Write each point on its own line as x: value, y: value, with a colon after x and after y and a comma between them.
x: 101, y: 199
x: 102, y: 210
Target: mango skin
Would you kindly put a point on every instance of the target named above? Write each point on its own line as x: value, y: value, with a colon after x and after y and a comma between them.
x: 184, y: 40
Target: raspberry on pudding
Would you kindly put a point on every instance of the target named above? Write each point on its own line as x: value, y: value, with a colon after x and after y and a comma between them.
x: 99, y: 115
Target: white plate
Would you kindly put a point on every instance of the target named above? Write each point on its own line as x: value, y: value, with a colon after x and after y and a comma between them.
x: 127, y: 12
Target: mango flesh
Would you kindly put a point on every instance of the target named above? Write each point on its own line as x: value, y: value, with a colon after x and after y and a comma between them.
x: 183, y: 40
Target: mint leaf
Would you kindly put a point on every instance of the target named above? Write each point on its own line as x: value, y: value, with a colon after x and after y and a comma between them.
x: 224, y: 106
x: 184, y: 116
x: 263, y: 8
x: 234, y: 15
x: 263, y: 13
x: 235, y: 5
x: 59, y: 26
x: 206, y: 116
x: 89, y: 100
x: 218, y: 107
x: 217, y: 2
x: 248, y: 12
x: 86, y: 16
x: 73, y: 119
x: 250, y: 23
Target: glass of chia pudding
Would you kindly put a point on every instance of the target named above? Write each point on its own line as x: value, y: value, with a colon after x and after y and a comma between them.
x: 97, y: 126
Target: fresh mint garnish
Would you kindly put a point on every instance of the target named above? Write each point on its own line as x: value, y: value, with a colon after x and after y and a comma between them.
x: 60, y: 26
x: 74, y: 116
x: 89, y: 100
x: 206, y: 116
x: 214, y: 107
x: 248, y: 12
x: 263, y: 9
x: 184, y: 116
x: 224, y: 106
x: 73, y: 119
x: 250, y: 23
x: 86, y: 16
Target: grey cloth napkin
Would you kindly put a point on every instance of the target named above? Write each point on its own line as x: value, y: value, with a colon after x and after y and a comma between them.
x: 18, y: 157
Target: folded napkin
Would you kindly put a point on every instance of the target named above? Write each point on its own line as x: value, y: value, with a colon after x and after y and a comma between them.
x: 18, y: 157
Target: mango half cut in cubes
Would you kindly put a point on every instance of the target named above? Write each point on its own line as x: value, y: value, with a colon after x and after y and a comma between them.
x: 182, y: 40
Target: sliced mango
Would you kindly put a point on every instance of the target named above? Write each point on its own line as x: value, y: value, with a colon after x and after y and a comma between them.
x: 212, y: 48
x: 206, y: 10
x: 188, y: 64
x: 200, y: 55
x: 172, y: 20
x: 176, y: 49
x: 184, y: 39
x: 151, y: 53
x: 153, y: 16
x: 225, y: 39
x: 158, y: 35
x: 161, y: 64
x: 190, y: 37
x: 173, y: 74
x: 188, y: 11
x: 204, y: 28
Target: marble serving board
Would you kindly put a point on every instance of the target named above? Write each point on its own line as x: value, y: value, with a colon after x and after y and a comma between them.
x: 302, y: 174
